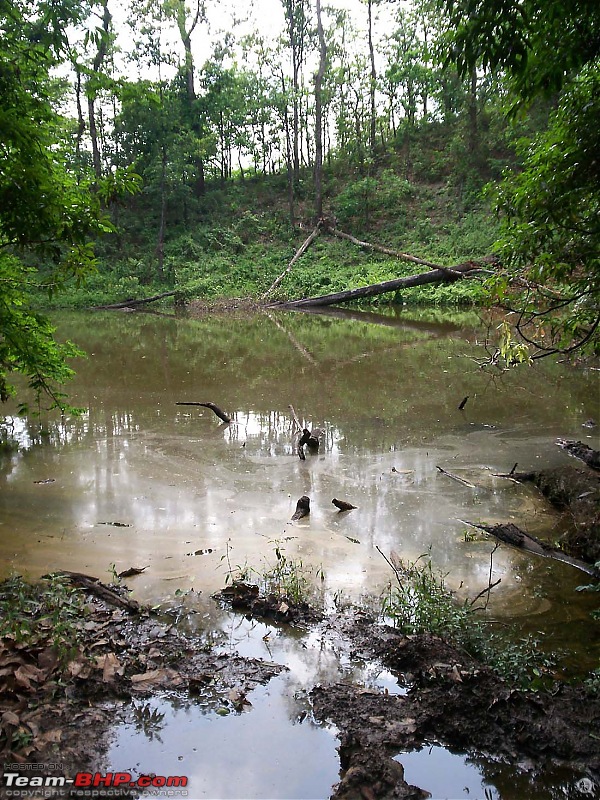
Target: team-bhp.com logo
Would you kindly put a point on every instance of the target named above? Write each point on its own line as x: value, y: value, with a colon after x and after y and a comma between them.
x: 18, y: 785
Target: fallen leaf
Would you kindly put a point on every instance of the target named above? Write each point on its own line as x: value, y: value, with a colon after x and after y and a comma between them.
x: 238, y: 698
x: 79, y: 667
x: 50, y: 737
x: 48, y: 659
x: 110, y: 666
x: 27, y: 673
x: 156, y: 677
x: 10, y: 718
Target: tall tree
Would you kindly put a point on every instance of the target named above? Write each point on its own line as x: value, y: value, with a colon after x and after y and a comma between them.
x: 550, y: 208
x: 296, y: 20
x: 186, y: 25
x: 48, y: 215
x: 318, y: 116
x: 94, y: 82
x: 372, y: 81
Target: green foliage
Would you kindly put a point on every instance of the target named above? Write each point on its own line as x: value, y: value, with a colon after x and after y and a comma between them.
x: 539, y: 45
x: 419, y: 601
x: 549, y: 208
x: 48, y: 215
x: 42, y: 615
x: 287, y: 578
x: 361, y: 200
x: 27, y: 345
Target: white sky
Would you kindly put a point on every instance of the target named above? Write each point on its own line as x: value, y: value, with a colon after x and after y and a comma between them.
x: 264, y: 16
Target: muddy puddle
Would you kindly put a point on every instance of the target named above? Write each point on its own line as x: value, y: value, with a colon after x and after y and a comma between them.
x: 141, y: 481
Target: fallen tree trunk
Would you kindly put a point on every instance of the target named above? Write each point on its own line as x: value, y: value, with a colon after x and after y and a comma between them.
x: 131, y: 303
x: 577, y: 491
x: 581, y: 451
x: 96, y: 587
x: 437, y: 275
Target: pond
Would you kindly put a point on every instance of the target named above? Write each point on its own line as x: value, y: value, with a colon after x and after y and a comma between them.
x: 140, y: 481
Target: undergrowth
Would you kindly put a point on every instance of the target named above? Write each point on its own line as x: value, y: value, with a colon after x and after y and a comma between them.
x: 419, y: 601
x: 42, y: 615
x: 280, y: 575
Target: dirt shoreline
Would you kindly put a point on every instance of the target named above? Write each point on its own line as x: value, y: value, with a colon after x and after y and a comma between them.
x: 52, y: 714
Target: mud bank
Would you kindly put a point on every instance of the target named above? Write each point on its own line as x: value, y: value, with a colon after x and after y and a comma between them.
x: 450, y: 700
x: 576, y: 491
x: 57, y: 709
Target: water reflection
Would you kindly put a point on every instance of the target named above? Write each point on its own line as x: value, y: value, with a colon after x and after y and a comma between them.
x: 447, y: 774
x: 253, y: 754
x: 386, y: 396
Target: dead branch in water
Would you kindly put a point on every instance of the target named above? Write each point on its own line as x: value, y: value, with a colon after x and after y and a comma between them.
x: 131, y: 303
x: 220, y: 414
x: 514, y: 536
x: 96, y: 587
x: 457, y: 478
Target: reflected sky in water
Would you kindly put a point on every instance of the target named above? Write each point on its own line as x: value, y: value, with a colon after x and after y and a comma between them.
x: 386, y: 395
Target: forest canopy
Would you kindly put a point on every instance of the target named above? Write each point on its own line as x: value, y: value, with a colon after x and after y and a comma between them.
x: 157, y: 145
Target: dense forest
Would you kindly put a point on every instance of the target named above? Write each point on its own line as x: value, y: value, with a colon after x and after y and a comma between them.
x: 162, y: 145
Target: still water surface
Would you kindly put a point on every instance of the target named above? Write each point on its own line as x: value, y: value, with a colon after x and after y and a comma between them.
x: 192, y: 495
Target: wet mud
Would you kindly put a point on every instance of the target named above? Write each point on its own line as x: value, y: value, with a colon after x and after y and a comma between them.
x: 576, y: 491
x: 53, y: 710
x: 454, y: 701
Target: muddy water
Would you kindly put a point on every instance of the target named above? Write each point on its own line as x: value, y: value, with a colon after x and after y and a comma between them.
x: 188, y: 491
x: 141, y: 481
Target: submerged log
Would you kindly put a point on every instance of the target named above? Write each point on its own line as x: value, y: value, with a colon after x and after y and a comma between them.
x: 96, y: 587
x: 220, y: 414
x: 131, y: 303
x: 578, y: 490
x: 457, y: 478
x: 514, y: 536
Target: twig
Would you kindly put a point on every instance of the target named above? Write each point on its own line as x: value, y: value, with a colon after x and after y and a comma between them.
x: 457, y: 478
x: 395, y: 569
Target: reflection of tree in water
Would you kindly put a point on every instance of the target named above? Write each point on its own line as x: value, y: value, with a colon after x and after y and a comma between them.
x: 535, y: 781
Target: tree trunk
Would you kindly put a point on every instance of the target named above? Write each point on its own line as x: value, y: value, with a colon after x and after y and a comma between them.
x: 288, y: 159
x: 318, y: 118
x: 373, y: 80
x: 92, y: 92
x: 160, y: 244
x: 473, y: 115
x: 186, y: 40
